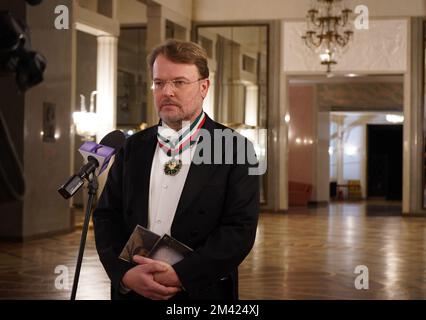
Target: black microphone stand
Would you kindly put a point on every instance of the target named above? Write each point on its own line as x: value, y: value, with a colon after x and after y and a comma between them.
x: 93, y: 188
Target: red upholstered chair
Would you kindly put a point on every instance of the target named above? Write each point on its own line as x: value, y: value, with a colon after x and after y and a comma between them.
x: 299, y: 193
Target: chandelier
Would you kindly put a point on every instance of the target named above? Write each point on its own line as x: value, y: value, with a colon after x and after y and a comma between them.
x: 329, y: 30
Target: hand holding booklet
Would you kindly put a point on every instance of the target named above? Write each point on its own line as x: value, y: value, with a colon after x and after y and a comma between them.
x: 148, y: 244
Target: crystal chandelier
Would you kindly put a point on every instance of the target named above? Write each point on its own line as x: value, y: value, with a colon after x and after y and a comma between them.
x: 329, y: 30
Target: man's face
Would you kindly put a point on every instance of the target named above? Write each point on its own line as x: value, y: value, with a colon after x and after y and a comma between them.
x: 183, y: 102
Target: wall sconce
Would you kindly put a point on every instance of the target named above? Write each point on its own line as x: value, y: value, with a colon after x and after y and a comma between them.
x: 86, y: 122
x: 305, y: 141
x: 287, y: 118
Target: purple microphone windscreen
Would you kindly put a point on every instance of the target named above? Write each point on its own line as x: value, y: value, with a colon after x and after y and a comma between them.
x: 114, y: 139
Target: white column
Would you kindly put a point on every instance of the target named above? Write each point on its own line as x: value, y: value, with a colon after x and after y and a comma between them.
x: 282, y: 137
x: 322, y: 163
x: 340, y: 149
x: 251, y: 107
x: 106, y: 85
x: 156, y: 34
x: 413, y: 171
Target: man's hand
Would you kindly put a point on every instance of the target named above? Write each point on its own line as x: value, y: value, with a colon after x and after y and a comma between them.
x: 167, y: 277
x: 141, y: 280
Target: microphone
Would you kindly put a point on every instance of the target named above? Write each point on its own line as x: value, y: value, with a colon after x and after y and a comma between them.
x: 97, y: 157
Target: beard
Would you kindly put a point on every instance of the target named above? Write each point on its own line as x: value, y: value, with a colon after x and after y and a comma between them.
x: 174, y: 114
x: 171, y: 111
x: 171, y: 114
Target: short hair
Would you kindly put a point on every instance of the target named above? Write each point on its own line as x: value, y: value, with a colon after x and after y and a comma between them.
x: 181, y: 52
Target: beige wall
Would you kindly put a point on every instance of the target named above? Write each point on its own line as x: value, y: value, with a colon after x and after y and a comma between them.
x: 47, y: 164
x: 222, y: 10
x: 301, y: 156
x: 131, y: 12
x: 181, y: 7
x: 85, y: 84
x: 91, y: 5
x: 135, y: 11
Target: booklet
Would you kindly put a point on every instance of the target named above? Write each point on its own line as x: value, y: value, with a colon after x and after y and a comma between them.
x: 148, y: 244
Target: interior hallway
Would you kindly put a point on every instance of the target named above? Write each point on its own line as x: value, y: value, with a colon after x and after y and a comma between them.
x: 305, y: 254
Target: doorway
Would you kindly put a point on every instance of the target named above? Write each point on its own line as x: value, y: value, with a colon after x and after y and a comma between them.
x: 337, y: 117
x: 384, y: 161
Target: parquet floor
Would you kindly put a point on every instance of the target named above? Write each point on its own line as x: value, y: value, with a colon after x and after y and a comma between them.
x: 304, y: 254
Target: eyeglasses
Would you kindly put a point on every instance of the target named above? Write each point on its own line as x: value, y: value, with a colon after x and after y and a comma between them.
x: 158, y: 85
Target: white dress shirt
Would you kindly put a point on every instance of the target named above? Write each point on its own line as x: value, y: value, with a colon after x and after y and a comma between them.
x: 165, y: 190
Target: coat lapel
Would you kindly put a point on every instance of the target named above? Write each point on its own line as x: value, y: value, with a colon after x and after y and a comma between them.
x: 197, y: 178
x: 145, y: 153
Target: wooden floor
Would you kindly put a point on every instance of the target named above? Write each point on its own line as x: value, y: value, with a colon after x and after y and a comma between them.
x: 304, y: 254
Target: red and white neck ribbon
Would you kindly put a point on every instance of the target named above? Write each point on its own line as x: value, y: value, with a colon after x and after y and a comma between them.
x: 187, y: 138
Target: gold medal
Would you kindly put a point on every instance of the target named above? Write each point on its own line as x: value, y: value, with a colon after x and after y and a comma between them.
x: 172, y: 167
